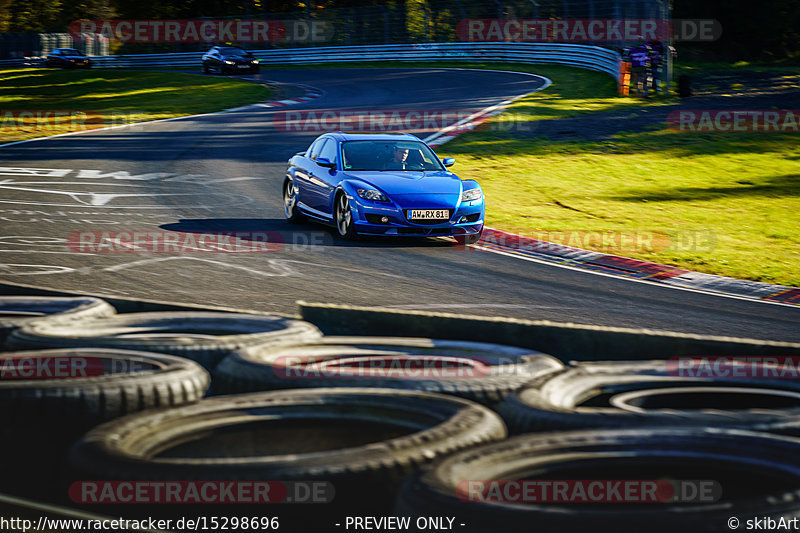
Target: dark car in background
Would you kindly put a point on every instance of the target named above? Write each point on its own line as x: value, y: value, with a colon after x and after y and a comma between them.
x: 229, y: 59
x: 67, y: 58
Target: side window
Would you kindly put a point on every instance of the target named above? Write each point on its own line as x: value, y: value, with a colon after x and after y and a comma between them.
x: 330, y: 151
x: 315, y: 148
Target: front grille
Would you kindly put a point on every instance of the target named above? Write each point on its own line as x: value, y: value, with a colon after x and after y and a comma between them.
x: 429, y: 222
x: 422, y: 231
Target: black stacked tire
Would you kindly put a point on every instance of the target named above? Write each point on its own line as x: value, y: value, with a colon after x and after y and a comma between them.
x: 93, y: 385
x: 667, y: 480
x: 634, y: 394
x: 50, y: 398
x: 481, y: 372
x: 363, y: 442
x: 17, y: 311
x: 202, y: 337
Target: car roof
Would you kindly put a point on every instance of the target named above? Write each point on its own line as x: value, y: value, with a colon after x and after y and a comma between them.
x: 357, y: 136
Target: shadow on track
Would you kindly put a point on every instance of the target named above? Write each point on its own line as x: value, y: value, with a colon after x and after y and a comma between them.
x: 277, y: 230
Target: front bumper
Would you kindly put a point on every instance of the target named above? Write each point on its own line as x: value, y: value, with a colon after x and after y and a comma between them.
x: 247, y: 68
x: 465, y: 219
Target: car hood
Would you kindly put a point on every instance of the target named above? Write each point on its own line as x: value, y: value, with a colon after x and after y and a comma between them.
x: 410, y: 182
x: 75, y: 57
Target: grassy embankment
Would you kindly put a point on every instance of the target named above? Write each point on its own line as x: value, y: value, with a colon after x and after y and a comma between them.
x: 87, y: 99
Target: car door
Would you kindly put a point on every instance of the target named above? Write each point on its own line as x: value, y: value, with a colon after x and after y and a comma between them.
x: 324, y: 179
x: 304, y: 172
x: 53, y: 59
x: 216, y: 59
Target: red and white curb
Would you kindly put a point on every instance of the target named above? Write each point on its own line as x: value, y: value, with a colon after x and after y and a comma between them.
x: 511, y: 243
x: 311, y: 93
x: 454, y: 131
x: 479, y: 117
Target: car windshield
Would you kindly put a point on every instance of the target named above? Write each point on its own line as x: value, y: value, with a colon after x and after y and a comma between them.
x: 71, y: 52
x: 234, y: 52
x: 389, y: 155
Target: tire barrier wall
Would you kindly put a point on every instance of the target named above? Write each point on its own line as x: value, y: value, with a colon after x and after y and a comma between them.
x: 565, y: 341
x: 17, y: 311
x: 481, y: 372
x: 202, y: 337
x: 364, y: 442
x: 628, y: 394
x: 46, y: 412
x: 758, y: 475
x: 406, y: 451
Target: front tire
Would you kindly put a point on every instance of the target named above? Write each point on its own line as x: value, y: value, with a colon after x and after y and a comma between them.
x: 293, y: 215
x: 343, y: 218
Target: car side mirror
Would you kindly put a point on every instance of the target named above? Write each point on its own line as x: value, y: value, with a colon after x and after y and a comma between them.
x: 448, y: 161
x: 325, y: 162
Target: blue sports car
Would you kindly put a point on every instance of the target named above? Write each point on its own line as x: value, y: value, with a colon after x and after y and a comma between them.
x: 381, y: 184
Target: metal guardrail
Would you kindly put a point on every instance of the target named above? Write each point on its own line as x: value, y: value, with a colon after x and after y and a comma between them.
x: 582, y: 56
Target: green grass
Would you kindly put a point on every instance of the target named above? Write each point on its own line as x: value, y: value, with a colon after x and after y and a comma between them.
x: 109, y: 97
x: 729, y: 204
x: 744, y: 192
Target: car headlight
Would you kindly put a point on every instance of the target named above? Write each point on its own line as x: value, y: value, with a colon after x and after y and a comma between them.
x: 372, y: 194
x: 228, y: 62
x: 471, y: 194
x: 255, y: 61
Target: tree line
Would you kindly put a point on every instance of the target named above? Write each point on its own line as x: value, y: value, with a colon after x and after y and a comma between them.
x: 764, y: 30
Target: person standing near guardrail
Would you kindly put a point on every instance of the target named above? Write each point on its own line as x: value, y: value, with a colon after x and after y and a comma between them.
x: 656, y: 54
x: 640, y: 68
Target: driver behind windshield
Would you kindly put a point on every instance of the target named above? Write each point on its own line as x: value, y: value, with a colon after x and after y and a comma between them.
x: 399, y: 159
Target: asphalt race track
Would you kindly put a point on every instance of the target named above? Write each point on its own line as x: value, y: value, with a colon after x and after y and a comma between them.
x: 222, y: 173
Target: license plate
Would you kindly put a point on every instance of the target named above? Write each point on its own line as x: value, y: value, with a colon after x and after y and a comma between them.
x: 428, y: 214
x: 243, y: 66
